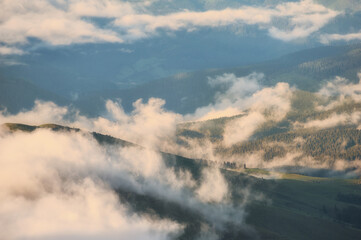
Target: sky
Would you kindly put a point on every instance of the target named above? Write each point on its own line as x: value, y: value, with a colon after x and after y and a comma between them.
x: 67, y: 22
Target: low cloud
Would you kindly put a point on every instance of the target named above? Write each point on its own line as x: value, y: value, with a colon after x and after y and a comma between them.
x: 214, y: 187
x: 243, y: 114
x: 63, y: 182
x: 42, y: 112
x: 332, y: 121
x: 229, y: 102
x: 148, y: 124
x: 241, y: 129
x: 60, y: 185
x: 334, y: 95
x: 328, y: 38
x: 297, y: 162
x: 342, y: 88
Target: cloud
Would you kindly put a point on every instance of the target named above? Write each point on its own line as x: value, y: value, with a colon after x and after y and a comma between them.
x: 60, y: 185
x: 245, y: 107
x: 304, y: 18
x: 295, y: 160
x: 339, y: 91
x: 149, y: 124
x: 332, y: 121
x: 10, y: 51
x: 214, y: 187
x: 241, y: 129
x: 328, y: 38
x: 230, y: 101
x: 342, y: 87
x: 72, y: 174
x: 69, y: 21
x: 103, y: 8
x: 335, y: 93
x: 268, y: 104
x: 49, y: 22
x: 42, y: 112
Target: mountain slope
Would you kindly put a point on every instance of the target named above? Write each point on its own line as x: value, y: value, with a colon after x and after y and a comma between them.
x: 186, y: 92
x: 291, y: 207
x: 17, y: 94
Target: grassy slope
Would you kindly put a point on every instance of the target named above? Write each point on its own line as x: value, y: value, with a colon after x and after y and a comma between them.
x: 302, y: 207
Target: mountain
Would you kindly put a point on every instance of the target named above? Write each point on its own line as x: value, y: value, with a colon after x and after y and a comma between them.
x: 17, y: 94
x: 291, y: 206
x: 78, y: 69
x: 185, y: 92
x: 193, y: 165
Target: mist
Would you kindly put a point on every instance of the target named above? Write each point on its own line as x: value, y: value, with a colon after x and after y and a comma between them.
x: 65, y: 184
x: 57, y: 182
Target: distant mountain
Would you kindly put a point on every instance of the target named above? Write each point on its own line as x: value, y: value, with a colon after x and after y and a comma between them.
x: 17, y: 94
x: 186, y: 92
x: 69, y: 70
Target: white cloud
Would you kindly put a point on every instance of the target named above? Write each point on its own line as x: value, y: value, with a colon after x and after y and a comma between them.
x: 241, y: 129
x: 55, y: 25
x: 231, y: 101
x: 244, y: 95
x: 65, y: 22
x: 304, y: 18
x: 42, y: 112
x: 63, y: 181
x: 149, y: 124
x: 327, y: 38
x: 267, y: 104
x: 103, y: 8
x: 60, y: 185
x: 304, y: 163
x: 333, y: 121
x: 336, y: 93
x: 343, y: 88
x: 214, y: 187
x: 10, y: 51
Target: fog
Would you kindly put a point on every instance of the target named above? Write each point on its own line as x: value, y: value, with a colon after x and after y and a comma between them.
x: 57, y: 184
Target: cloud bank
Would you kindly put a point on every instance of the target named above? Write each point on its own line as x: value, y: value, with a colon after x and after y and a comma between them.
x: 62, y: 184
x: 65, y: 22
